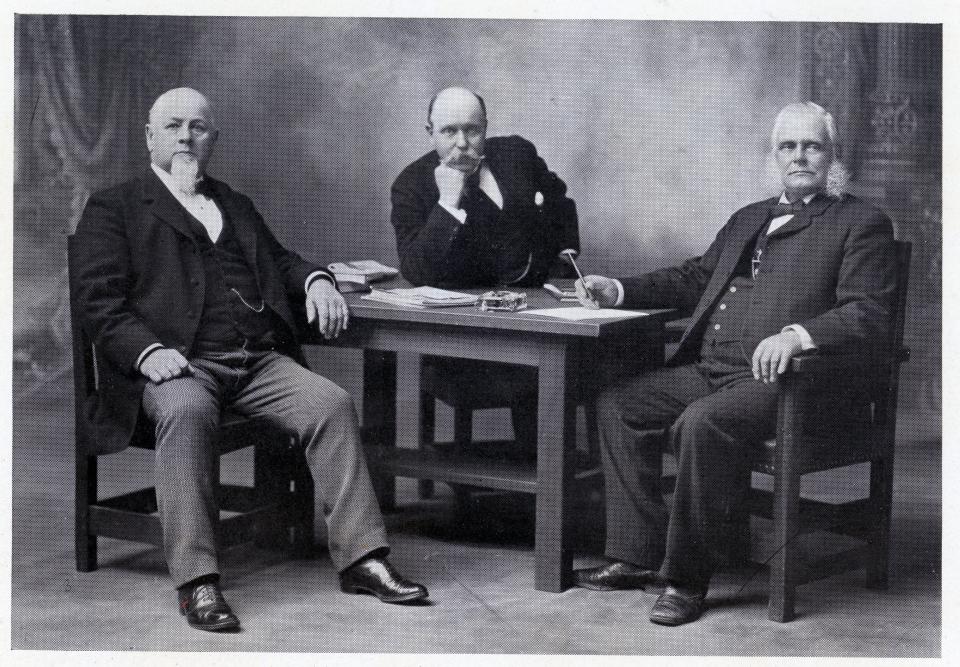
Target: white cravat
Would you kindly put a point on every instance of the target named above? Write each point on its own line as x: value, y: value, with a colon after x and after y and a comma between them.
x: 200, y: 206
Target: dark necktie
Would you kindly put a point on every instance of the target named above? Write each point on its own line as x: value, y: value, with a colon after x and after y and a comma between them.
x: 471, y: 188
x: 787, y: 209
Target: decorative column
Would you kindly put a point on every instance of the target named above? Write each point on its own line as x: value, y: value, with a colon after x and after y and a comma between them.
x: 902, y: 174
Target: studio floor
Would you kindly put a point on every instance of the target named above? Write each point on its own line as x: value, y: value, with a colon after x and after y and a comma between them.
x: 479, y: 570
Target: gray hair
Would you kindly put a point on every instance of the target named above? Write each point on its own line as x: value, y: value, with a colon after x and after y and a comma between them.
x: 838, y: 176
x: 824, y: 115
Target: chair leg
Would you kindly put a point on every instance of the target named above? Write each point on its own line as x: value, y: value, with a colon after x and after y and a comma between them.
x: 270, y: 482
x: 881, y: 497
x: 85, y: 482
x: 428, y: 419
x: 524, y: 420
x: 786, y: 520
x: 462, y: 437
x: 302, y: 493
x: 462, y: 428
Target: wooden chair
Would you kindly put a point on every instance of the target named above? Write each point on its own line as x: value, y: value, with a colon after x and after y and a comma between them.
x: 276, y: 510
x: 803, y: 446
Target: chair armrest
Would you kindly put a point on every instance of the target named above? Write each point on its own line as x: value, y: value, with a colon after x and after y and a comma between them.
x: 821, y: 364
x: 673, y: 330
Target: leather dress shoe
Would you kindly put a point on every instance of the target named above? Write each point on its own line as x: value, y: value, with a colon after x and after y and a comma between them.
x: 376, y: 576
x: 678, y: 605
x: 205, y: 608
x: 617, y: 576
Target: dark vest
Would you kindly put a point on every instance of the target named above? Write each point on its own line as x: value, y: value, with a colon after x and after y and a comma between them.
x: 227, y: 322
x: 501, y: 236
x: 723, y: 335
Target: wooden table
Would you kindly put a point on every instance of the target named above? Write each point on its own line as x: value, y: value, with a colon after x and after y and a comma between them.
x: 572, y: 359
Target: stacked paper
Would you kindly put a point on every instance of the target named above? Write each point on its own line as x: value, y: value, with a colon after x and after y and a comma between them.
x: 421, y: 297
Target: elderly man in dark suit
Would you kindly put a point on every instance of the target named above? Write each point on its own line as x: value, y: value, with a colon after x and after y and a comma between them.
x: 811, y: 270
x: 479, y: 212
x: 193, y: 306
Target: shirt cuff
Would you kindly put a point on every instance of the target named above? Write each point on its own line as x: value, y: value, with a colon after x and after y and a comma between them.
x: 318, y: 274
x: 150, y: 349
x: 806, y: 342
x: 458, y: 213
x: 568, y: 251
x: 619, y: 286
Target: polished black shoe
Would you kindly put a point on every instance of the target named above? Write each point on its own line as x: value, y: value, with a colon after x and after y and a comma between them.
x: 376, y: 576
x: 205, y: 608
x: 678, y: 605
x: 617, y: 576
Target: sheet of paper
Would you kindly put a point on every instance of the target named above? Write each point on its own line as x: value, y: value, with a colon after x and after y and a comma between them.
x: 428, y: 292
x: 580, y: 313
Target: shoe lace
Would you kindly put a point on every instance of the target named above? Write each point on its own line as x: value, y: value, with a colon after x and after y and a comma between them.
x: 208, y: 594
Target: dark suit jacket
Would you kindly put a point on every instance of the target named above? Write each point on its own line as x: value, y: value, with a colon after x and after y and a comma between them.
x: 830, y: 270
x: 435, y: 249
x: 139, y: 280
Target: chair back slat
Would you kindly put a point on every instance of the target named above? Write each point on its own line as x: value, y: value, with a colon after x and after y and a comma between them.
x: 886, y: 404
x: 84, y: 363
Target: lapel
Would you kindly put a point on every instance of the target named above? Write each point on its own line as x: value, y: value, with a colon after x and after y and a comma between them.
x: 163, y: 205
x: 494, y: 164
x: 244, y: 230
x: 499, y: 166
x: 741, y: 235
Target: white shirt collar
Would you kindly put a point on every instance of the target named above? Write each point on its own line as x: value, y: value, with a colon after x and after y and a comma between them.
x: 806, y: 200
x: 167, y: 180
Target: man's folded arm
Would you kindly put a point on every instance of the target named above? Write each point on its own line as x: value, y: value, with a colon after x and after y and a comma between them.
x: 101, y: 264
x: 430, y: 238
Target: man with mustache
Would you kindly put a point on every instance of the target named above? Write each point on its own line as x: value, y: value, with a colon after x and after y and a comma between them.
x: 810, y: 270
x: 479, y: 212
x: 193, y: 307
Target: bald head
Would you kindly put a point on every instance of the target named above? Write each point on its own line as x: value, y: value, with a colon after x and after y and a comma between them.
x: 459, y: 97
x: 457, y: 124
x: 180, y: 123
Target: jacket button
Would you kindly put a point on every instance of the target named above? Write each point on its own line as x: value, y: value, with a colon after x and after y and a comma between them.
x: 723, y: 306
x: 733, y: 288
x: 190, y: 314
x: 716, y: 327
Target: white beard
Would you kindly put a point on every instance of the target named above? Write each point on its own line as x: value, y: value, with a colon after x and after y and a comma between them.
x: 186, y: 173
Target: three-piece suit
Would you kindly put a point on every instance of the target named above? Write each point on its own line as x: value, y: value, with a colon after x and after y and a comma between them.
x: 147, y: 273
x: 830, y: 270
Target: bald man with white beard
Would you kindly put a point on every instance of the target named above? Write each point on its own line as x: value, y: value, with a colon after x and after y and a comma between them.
x: 194, y: 307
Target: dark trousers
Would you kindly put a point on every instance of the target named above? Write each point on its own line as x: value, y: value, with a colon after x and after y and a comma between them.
x: 268, y: 385
x: 714, y: 414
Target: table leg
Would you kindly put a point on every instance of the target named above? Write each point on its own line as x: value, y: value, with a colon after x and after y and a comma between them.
x: 556, y: 440
x: 380, y: 416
